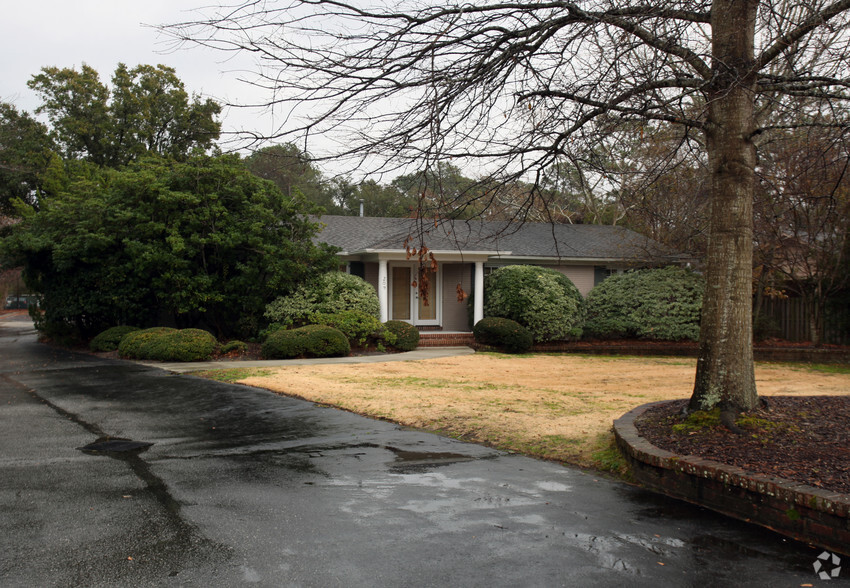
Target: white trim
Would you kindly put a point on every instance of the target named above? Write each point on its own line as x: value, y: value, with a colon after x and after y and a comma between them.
x: 383, y: 290
x: 478, y: 290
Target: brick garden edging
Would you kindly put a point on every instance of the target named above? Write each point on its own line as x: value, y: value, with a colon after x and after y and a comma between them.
x: 808, y: 514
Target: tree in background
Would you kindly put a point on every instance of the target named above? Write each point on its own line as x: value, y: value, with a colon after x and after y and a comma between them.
x: 803, y: 219
x: 665, y: 189
x: 441, y: 190
x: 379, y: 200
x: 525, y: 85
x: 147, y: 111
x: 202, y: 241
x: 290, y: 169
x: 26, y: 151
x: 293, y: 170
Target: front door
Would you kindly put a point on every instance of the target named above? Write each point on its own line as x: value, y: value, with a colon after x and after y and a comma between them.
x: 407, y: 302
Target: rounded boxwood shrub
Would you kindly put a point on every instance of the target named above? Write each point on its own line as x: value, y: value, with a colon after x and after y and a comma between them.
x: 358, y: 327
x: 189, y: 345
x: 141, y: 344
x: 167, y: 344
x: 109, y: 339
x: 309, y: 341
x: 401, y: 335
x: 541, y: 299
x: 503, y: 333
x: 330, y: 293
x: 662, y: 304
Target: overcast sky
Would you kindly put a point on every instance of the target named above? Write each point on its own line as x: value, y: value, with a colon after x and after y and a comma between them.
x: 103, y: 33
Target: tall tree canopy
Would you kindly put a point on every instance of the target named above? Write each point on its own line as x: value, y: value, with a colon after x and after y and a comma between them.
x: 202, y: 241
x: 524, y: 86
x: 147, y: 111
x: 25, y: 154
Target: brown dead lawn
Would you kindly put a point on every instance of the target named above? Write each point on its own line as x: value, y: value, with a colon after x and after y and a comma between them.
x: 555, y: 407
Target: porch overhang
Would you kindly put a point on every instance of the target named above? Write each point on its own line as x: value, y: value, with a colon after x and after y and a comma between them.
x: 442, y: 256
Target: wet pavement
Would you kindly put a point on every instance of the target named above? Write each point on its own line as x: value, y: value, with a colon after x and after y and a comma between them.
x: 244, y: 487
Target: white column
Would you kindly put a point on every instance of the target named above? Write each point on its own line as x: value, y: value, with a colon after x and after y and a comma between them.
x: 383, y: 290
x: 478, y: 310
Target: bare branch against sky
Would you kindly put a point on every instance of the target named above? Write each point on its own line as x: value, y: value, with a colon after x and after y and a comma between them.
x: 518, y: 87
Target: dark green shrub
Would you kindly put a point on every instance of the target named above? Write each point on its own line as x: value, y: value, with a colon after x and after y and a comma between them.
x: 309, y: 341
x: 330, y: 293
x: 187, y: 345
x: 109, y: 339
x: 401, y: 335
x: 167, y: 344
x: 662, y: 304
x: 230, y: 346
x: 503, y: 333
x: 358, y: 327
x: 765, y: 327
x: 141, y: 344
x: 541, y: 299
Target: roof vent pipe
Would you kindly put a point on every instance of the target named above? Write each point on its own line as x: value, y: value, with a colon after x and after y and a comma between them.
x: 361, y: 207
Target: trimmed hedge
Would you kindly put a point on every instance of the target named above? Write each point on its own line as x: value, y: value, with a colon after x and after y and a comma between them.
x: 357, y: 326
x: 661, y: 304
x: 167, y: 344
x: 401, y: 335
x: 503, y: 333
x: 309, y: 341
x: 109, y: 339
x: 330, y: 293
x: 541, y: 299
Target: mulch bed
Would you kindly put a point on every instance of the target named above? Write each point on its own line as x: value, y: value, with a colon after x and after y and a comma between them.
x: 801, y: 438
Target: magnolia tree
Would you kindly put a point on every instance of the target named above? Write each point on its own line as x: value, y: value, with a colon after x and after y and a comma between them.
x: 516, y: 87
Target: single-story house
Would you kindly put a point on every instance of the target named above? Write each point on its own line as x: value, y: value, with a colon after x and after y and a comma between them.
x: 376, y: 249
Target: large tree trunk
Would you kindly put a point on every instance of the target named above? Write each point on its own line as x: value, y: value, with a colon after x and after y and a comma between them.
x: 725, y: 373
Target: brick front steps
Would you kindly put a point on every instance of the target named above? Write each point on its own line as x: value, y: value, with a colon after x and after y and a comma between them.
x: 808, y: 514
x: 445, y: 339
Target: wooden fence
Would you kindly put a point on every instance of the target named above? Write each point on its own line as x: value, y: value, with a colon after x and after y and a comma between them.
x: 789, y: 319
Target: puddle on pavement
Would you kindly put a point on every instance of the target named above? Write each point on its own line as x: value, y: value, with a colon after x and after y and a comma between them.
x: 105, y: 445
x: 406, y: 461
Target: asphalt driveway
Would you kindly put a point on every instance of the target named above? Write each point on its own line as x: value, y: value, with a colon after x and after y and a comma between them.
x: 244, y: 487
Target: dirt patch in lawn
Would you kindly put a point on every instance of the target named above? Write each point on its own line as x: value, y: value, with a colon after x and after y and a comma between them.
x: 555, y: 407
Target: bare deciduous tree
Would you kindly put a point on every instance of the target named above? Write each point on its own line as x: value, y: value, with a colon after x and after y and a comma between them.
x: 522, y: 86
x: 802, y: 218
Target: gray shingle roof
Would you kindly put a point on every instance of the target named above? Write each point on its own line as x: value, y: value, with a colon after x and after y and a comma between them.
x: 355, y: 234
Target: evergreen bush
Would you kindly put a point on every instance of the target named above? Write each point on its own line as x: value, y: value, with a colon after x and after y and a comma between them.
x: 401, y: 335
x: 661, y: 304
x: 235, y: 345
x: 331, y: 293
x: 541, y: 299
x: 167, y: 344
x: 142, y: 344
x: 308, y: 341
x: 503, y: 333
x: 109, y: 339
x: 358, y: 327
